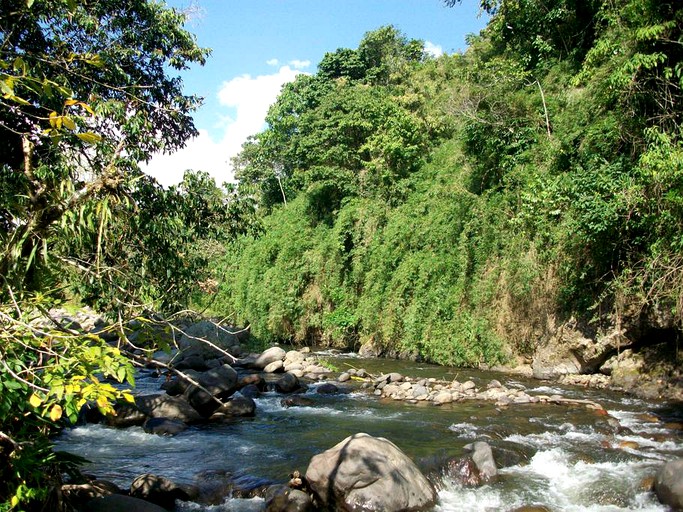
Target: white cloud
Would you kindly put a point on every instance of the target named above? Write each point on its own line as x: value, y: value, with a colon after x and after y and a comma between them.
x: 299, y: 64
x: 433, y: 49
x: 248, y: 98
x: 272, y: 62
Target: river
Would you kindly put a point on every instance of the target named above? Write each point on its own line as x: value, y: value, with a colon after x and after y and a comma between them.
x: 563, y: 457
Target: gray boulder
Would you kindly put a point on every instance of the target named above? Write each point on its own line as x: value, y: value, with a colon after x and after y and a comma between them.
x: 669, y: 484
x: 177, y: 384
x: 165, y: 406
x: 238, y: 406
x: 269, y: 356
x: 482, y: 456
x: 365, y: 473
x: 209, y: 340
x: 220, y: 382
x: 288, y: 383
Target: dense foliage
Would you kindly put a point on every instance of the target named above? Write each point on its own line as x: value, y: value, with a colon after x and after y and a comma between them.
x: 87, y: 94
x: 455, y: 208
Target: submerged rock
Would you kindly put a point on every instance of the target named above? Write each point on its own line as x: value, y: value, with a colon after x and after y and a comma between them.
x: 163, y: 426
x: 365, y: 473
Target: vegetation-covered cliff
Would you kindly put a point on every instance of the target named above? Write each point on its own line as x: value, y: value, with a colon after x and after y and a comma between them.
x: 475, y: 207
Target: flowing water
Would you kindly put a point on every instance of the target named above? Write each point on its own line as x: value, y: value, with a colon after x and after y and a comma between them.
x: 564, y: 458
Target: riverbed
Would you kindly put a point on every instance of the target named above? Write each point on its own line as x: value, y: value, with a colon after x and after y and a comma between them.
x: 566, y: 458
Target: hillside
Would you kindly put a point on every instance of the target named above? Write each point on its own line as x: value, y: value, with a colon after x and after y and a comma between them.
x: 519, y: 201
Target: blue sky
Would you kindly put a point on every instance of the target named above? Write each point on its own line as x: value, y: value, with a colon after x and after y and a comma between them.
x: 258, y: 45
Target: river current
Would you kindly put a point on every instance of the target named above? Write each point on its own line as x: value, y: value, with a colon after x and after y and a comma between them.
x: 562, y: 457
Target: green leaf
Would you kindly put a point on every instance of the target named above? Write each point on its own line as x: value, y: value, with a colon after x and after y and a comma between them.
x: 19, y: 65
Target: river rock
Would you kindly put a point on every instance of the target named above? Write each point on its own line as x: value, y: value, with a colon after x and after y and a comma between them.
x: 483, y: 458
x: 192, y: 362
x: 269, y: 356
x: 463, y: 471
x: 253, y: 379
x: 669, y: 484
x: 79, y: 494
x: 165, y: 406
x: 275, y: 366
x: 161, y: 491
x: 126, y: 415
x: 294, y: 357
x: 443, y: 397
x: 121, y: 503
x: 163, y: 426
x: 280, y: 498
x: 288, y: 383
x: 194, y: 340
x: 251, y: 390
x: 177, y: 385
x: 238, y: 406
x: 327, y: 389
x: 365, y: 473
x: 220, y: 382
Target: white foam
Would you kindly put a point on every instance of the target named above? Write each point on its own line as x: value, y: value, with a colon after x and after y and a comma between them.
x: 464, y: 429
x: 229, y: 505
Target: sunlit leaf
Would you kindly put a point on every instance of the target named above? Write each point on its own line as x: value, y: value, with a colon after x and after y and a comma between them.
x: 35, y: 400
x: 56, y: 412
x: 89, y: 137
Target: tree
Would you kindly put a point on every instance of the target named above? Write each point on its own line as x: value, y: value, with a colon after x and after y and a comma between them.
x: 87, y: 93
x: 85, y: 97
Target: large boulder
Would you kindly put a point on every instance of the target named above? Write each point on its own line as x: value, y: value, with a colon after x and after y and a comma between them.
x: 238, y: 406
x: 209, y: 340
x: 165, y: 406
x: 269, y: 356
x: 669, y: 484
x: 288, y: 383
x: 178, y: 384
x: 220, y: 383
x: 365, y: 473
